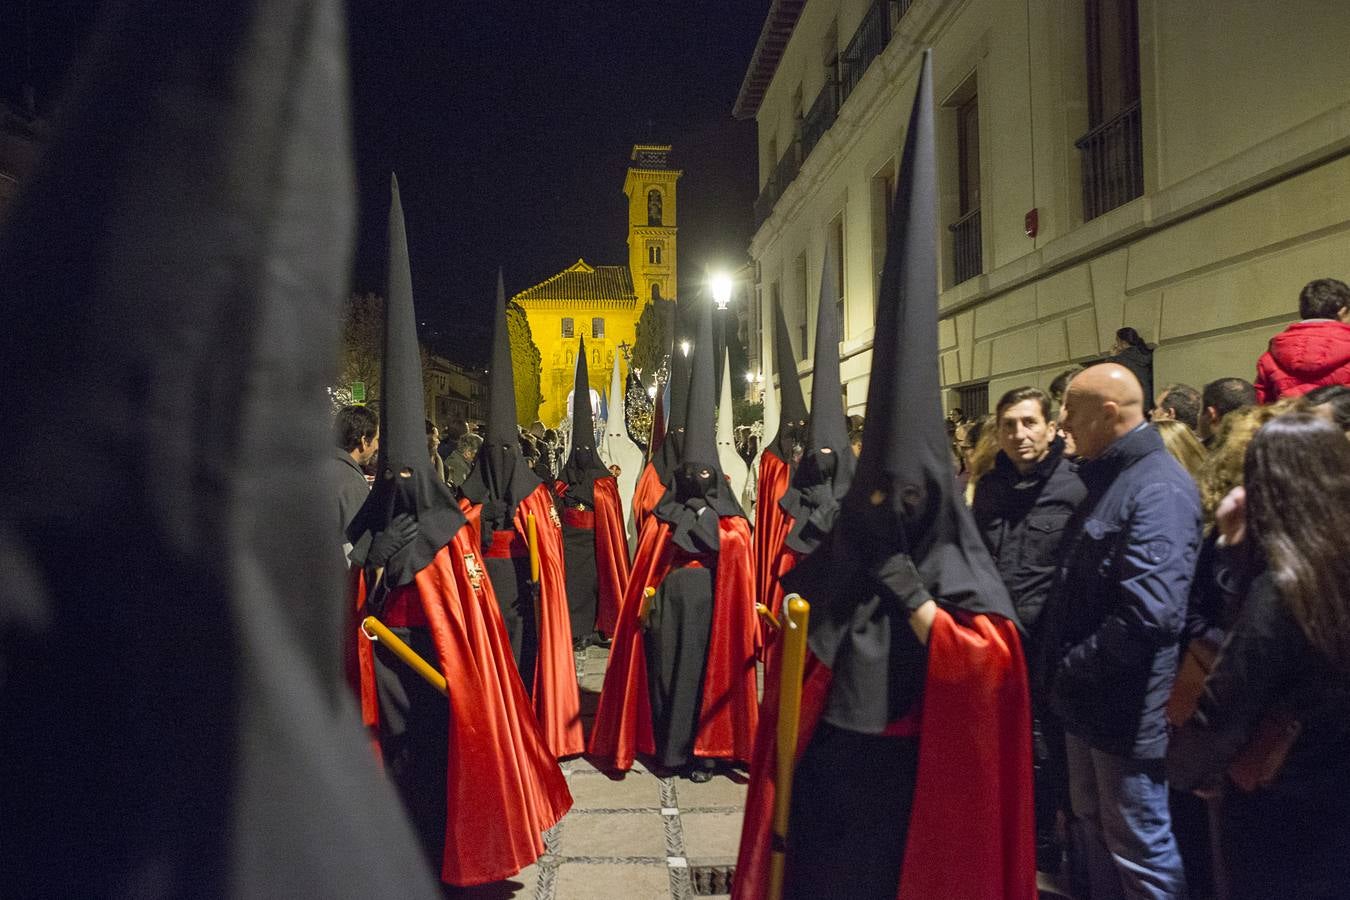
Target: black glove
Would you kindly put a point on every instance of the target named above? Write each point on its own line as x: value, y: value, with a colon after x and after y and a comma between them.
x: 394, y: 538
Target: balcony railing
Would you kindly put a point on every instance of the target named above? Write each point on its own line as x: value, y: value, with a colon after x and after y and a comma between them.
x: 1113, y: 163
x: 968, y: 254
x: 868, y: 42
x: 820, y: 117
x: 873, y: 33
x: 778, y: 182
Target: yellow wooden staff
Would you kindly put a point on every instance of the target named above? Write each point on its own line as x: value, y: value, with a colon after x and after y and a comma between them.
x: 789, y: 716
x: 534, y: 548
x: 375, y: 630
x: 645, y: 606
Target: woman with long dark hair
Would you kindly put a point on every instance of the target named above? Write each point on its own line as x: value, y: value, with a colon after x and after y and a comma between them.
x: 1285, y: 819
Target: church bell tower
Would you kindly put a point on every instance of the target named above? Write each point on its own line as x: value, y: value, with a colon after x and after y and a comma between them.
x: 650, y: 188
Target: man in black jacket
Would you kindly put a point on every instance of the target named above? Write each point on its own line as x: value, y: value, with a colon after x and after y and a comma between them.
x: 1021, y: 508
x: 356, y: 432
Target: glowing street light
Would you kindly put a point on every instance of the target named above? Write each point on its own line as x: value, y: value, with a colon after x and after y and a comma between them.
x: 685, y: 346
x: 721, y: 289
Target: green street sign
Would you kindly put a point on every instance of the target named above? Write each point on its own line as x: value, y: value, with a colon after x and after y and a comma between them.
x: 358, y: 392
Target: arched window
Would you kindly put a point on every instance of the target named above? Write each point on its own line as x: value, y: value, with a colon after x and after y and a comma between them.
x: 654, y: 254
x: 653, y: 207
x: 656, y: 291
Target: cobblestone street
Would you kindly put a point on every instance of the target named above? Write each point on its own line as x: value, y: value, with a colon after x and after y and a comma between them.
x: 643, y: 836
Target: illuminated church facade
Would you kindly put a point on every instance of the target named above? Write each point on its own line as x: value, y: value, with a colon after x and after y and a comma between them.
x: 602, y: 304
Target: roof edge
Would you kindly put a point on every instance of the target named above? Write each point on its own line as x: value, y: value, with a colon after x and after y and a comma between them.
x: 779, y: 24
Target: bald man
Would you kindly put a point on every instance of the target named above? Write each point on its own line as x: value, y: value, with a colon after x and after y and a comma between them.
x: 1114, y: 619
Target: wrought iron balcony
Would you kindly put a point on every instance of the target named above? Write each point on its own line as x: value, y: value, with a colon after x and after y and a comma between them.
x: 1113, y: 163
x: 778, y: 182
x: 873, y: 33
x: 967, y: 251
x: 820, y: 117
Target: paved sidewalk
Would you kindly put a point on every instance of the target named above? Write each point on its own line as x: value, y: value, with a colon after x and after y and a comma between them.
x: 643, y: 836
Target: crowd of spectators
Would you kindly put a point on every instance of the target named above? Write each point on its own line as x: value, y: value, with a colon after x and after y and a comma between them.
x: 1181, y: 567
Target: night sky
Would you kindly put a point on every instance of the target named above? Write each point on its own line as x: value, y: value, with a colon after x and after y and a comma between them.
x: 509, y: 125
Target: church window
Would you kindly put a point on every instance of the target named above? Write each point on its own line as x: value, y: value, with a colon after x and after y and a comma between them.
x: 597, y: 327
x: 654, y: 254
x: 567, y: 327
x: 653, y: 207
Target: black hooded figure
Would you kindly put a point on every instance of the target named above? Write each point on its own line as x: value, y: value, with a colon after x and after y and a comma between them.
x: 594, y: 542
x: 499, y: 480
x: 669, y: 689
x: 656, y: 476
x: 915, y: 694
x: 172, y: 715
x: 406, y: 520
x: 777, y: 464
x: 503, y: 493
x: 825, y: 470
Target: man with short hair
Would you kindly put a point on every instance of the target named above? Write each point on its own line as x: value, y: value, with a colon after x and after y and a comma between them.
x: 1179, y: 402
x: 1021, y: 508
x: 434, y: 441
x: 356, y: 431
x: 1221, y: 397
x: 1313, y: 352
x: 1112, y: 626
x: 458, y: 463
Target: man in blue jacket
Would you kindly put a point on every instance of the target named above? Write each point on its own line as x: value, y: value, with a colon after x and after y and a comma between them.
x: 1115, y: 618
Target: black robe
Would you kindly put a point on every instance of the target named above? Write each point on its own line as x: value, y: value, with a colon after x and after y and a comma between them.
x: 676, y: 641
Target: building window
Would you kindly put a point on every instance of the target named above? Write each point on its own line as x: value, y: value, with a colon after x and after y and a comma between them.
x: 836, y: 235
x: 1112, y: 150
x: 656, y: 291
x: 968, y: 255
x: 597, y: 328
x: 567, y: 327
x: 654, y: 254
x: 775, y: 306
x: 973, y: 399
x: 883, y: 208
x: 653, y: 207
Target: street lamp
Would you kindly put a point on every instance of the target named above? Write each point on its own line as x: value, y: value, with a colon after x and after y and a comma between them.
x: 685, y: 346
x: 721, y: 289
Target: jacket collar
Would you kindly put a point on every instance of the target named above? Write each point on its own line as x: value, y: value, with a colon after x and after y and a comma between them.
x: 1128, y: 449
x: 346, y: 457
x: 1043, y: 469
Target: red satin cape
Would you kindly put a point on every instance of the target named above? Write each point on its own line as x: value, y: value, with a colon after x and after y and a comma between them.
x: 646, y: 494
x: 771, y: 530
x: 971, y: 835
x: 730, y: 710
x: 557, y: 700
x: 611, y: 554
x: 504, y: 789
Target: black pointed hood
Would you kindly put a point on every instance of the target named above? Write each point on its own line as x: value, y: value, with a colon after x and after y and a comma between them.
x: 792, y: 410
x: 668, y: 455
x: 500, y: 477
x: 175, y: 271
x: 699, y: 493
x: 405, y: 480
x: 904, y: 533
x: 583, y: 464
x: 825, y: 472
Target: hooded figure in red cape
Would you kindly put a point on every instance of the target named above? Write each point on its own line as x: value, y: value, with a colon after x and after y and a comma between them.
x: 810, y: 505
x: 913, y: 774
x: 501, y: 493
x: 476, y: 776
x: 594, y: 542
x: 666, y: 442
x: 172, y: 714
x: 776, y: 465
x: 681, y: 683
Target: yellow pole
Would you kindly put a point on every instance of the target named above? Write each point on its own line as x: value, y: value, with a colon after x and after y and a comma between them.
x: 645, y: 607
x: 789, y: 716
x: 375, y: 630
x: 534, y: 548
x: 767, y: 615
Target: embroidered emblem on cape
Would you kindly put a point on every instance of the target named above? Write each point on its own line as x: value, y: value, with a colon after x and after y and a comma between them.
x: 475, y: 572
x: 553, y: 514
